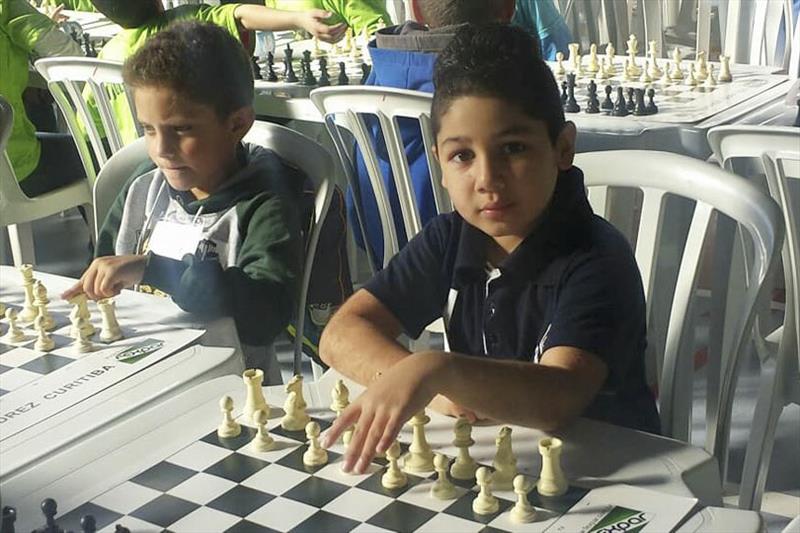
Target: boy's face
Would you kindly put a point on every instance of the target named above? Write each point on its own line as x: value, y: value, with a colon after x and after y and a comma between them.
x: 499, y: 165
x: 193, y: 147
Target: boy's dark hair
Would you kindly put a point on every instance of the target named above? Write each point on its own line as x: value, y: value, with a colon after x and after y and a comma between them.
x: 500, y: 61
x: 438, y: 13
x: 198, y: 60
x: 128, y: 13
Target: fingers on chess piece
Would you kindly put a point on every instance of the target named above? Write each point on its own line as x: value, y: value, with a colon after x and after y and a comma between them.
x: 14, y: 333
x: 552, y: 481
x: 254, y: 394
x: 442, y: 488
x: 262, y: 441
x: 420, y: 456
x: 464, y: 466
x: 394, y: 477
x: 315, y: 455
x: 81, y: 302
x: 228, y: 428
x: 110, y: 330
x: 523, y: 512
x: 485, y: 502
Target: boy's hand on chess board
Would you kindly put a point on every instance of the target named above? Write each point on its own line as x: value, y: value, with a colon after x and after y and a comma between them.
x: 313, y: 22
x: 380, y: 412
x: 107, y: 276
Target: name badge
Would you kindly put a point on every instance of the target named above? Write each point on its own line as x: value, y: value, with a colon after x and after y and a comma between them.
x: 174, y: 240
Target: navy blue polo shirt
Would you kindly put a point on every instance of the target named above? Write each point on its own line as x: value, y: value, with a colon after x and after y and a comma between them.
x: 572, y: 282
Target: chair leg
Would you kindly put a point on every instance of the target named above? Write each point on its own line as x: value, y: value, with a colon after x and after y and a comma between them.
x: 21, y: 238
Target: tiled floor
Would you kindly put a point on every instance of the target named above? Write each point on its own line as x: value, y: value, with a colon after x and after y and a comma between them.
x: 62, y: 248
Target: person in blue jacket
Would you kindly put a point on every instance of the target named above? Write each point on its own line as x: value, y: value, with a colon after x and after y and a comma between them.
x: 540, y: 18
x: 403, y: 57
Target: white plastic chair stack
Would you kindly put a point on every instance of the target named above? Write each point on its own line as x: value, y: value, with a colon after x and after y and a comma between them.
x: 657, y: 175
x: 17, y: 211
x: 750, y: 32
x: 68, y: 79
x: 111, y: 178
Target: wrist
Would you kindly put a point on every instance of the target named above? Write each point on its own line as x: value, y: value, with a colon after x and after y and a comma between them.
x: 436, y: 369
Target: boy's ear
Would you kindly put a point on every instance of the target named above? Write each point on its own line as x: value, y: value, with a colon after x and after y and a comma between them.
x: 240, y: 122
x: 565, y: 146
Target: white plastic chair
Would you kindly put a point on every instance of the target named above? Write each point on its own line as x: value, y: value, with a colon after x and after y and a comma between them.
x: 71, y: 80
x: 17, y: 211
x: 316, y: 163
x: 347, y: 107
x: 112, y: 177
x: 750, y: 31
x: 657, y: 175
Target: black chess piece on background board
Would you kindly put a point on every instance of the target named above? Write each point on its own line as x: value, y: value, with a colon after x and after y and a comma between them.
x: 593, y: 106
x: 652, y: 108
x: 8, y: 519
x: 620, y: 106
x: 572, y: 105
x: 324, y: 79
x: 88, y: 524
x: 564, y: 95
x: 608, y: 104
x: 271, y: 76
x: 640, y: 109
x: 289, y: 74
x: 87, y: 45
x: 365, y: 70
x: 342, y: 79
x: 631, y: 105
x: 119, y: 528
x: 256, y: 69
x: 49, y: 510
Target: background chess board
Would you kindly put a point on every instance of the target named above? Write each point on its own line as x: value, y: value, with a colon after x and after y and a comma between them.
x: 215, y: 484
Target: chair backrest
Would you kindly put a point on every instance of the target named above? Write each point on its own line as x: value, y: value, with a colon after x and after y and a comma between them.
x: 350, y: 107
x: 86, y: 88
x: 780, y: 168
x: 659, y: 175
x: 112, y: 177
x: 316, y: 162
x: 752, y: 32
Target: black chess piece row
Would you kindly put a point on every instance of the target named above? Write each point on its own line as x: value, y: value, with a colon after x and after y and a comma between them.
x: 306, y: 73
x: 622, y: 107
x: 88, y: 46
x: 50, y: 510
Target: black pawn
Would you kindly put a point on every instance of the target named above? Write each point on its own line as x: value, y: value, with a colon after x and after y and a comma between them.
x: 289, y: 76
x: 49, y: 510
x: 342, y: 79
x: 572, y: 105
x: 652, y: 108
x: 594, y: 104
x: 121, y: 529
x: 631, y: 102
x: 88, y: 524
x: 256, y: 69
x: 564, y: 95
x: 365, y: 70
x: 9, y: 517
x: 271, y: 76
x: 607, y: 104
x: 620, y: 107
x: 87, y: 45
x: 324, y: 80
x: 640, y: 109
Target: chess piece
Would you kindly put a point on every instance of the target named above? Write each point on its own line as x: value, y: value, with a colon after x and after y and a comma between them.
x: 620, y: 107
x: 572, y: 105
x: 317, y: 49
x: 271, y: 76
x: 74, y: 319
x: 295, y: 418
x: 603, y: 74
x: 44, y: 343
x: 560, y: 70
x: 82, y: 302
x: 40, y: 301
x: 523, y: 512
x: 594, y: 104
x: 724, y: 70
x: 83, y: 344
x: 551, y: 480
x: 443, y: 488
x: 296, y: 384
x: 633, y: 50
x: 2, y: 308
x: 578, y: 71
x: 324, y: 79
x: 701, y: 66
x: 308, y: 76
x: 645, y: 78
x: 420, y: 456
x: 484, y: 503
x: 119, y: 528
x: 14, y: 333
x: 640, y: 109
x: 630, y: 104
x: 627, y: 73
x: 394, y: 477
x: 654, y: 70
x: 594, y: 63
x: 505, y: 462
x: 8, y: 518
x: 564, y: 94
x: 256, y: 69
x: 88, y: 524
x: 262, y: 442
x: 228, y: 428
x: 49, y: 509
x: 365, y: 70
x: 677, y: 72
x: 691, y: 79
x: 254, y: 396
x: 342, y: 79
x: 340, y: 399
x: 666, y: 79
x: 315, y: 455
x: 110, y: 331
x: 574, y: 50
x: 289, y: 74
x: 464, y: 466
x: 611, y: 68
x: 29, y: 310
x: 608, y: 104
x: 652, y: 108
x: 348, y: 40
x: 711, y: 81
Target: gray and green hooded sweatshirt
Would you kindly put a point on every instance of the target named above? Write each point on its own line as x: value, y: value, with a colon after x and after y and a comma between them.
x: 248, y: 262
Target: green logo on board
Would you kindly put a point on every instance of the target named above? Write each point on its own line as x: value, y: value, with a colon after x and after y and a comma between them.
x: 140, y: 351
x: 622, y: 520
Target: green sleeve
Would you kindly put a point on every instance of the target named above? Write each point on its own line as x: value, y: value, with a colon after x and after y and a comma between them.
x: 358, y: 14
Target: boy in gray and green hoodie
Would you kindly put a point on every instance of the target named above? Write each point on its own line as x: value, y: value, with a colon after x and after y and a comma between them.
x: 217, y: 224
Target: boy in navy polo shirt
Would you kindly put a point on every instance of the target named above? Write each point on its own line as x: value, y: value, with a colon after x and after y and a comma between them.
x: 542, y: 299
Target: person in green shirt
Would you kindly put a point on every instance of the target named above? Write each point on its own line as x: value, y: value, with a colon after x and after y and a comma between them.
x: 73, y: 5
x: 41, y: 161
x: 357, y: 14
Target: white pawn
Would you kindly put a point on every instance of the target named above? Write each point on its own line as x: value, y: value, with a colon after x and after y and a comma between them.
x: 464, y: 466
x: 295, y: 418
x: 645, y: 78
x: 485, y: 503
x: 394, y: 477
x: 505, y: 462
x: 14, y: 333
x: 228, y: 428
x: 594, y: 63
x: 83, y: 344
x: 443, y: 488
x: 560, y: 70
x: 44, y: 343
x: 552, y: 481
x: 262, y: 442
x: 315, y: 455
x: 110, y: 331
x: 691, y: 79
x: 523, y: 512
x: 724, y: 69
x: 711, y: 81
x: 665, y: 79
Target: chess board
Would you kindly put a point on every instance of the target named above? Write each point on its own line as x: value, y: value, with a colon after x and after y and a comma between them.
x: 676, y: 101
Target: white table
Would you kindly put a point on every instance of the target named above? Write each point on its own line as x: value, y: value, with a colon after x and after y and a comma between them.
x: 596, y: 454
x: 95, y: 24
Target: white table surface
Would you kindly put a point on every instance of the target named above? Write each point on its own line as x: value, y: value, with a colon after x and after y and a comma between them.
x: 217, y: 354
x: 95, y: 24
x: 595, y: 454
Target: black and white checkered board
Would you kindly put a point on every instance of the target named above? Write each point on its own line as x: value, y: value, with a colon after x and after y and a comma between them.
x: 21, y: 364
x: 219, y: 485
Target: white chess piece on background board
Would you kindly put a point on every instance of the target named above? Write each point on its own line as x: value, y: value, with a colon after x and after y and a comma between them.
x: 552, y: 481
x: 394, y: 477
x: 505, y: 462
x: 40, y: 301
x: 523, y: 512
x: 724, y: 70
x: 295, y: 418
x: 464, y: 466
x: 14, y: 333
x: 110, y: 330
x: 254, y: 394
x: 315, y: 455
x: 485, y: 503
x: 442, y: 488
x: 83, y: 344
x: 29, y: 311
x: 228, y: 428
x: 420, y: 456
x: 44, y: 343
x: 262, y: 441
